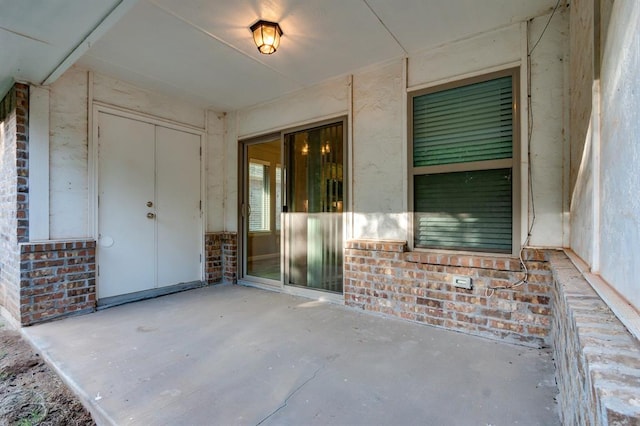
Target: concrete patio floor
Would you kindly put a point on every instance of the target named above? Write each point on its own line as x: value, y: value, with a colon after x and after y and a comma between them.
x: 231, y: 355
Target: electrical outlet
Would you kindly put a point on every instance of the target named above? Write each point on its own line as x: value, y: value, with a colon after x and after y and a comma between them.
x: 462, y: 282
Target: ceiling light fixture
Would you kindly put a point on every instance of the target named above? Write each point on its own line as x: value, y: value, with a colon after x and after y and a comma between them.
x: 266, y: 35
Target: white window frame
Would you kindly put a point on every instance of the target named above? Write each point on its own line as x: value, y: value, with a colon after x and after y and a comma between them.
x: 266, y: 211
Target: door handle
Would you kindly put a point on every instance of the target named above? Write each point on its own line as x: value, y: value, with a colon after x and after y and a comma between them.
x: 151, y: 215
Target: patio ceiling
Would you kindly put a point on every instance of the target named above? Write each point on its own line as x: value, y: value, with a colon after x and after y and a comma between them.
x: 202, y: 51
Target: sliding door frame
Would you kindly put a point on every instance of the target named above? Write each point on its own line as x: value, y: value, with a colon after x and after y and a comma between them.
x: 243, y: 209
x: 243, y: 212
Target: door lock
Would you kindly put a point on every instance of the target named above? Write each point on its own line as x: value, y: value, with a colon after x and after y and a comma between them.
x: 149, y: 204
x: 151, y: 215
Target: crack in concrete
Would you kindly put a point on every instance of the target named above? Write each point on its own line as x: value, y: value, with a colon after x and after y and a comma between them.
x: 293, y: 392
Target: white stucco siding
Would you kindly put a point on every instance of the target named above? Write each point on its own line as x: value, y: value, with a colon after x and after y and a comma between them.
x: 506, y: 47
x: 620, y: 152
x: 313, y: 104
x: 378, y: 162
x: 317, y: 103
x: 121, y: 94
x: 549, y: 101
x: 582, y: 232
x: 582, y: 168
x: 68, y: 217
x: 473, y: 55
x: 70, y: 183
x: 230, y: 174
x: 379, y: 154
x: 38, y: 163
x: 215, y: 171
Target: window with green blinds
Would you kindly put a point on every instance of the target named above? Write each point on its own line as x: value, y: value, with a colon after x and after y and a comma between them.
x: 464, y: 210
x: 468, y: 123
x: 462, y: 158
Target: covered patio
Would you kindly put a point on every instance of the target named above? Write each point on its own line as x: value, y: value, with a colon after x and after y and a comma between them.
x: 466, y: 165
x: 238, y: 355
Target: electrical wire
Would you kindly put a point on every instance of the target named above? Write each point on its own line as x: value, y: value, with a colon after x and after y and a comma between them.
x: 489, y: 291
x: 544, y: 30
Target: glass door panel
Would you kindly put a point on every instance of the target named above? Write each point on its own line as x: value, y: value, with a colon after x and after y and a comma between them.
x: 314, y: 220
x: 263, y: 195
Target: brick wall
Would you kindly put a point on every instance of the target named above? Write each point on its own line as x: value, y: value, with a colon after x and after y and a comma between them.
x: 22, y: 161
x: 383, y: 277
x: 213, y: 258
x: 597, y: 359
x: 38, y: 282
x: 221, y: 256
x: 14, y: 130
x: 56, y: 279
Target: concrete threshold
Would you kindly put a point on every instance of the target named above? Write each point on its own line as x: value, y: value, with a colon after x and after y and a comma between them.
x: 230, y: 355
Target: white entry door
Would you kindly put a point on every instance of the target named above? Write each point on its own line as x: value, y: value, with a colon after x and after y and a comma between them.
x: 149, y: 210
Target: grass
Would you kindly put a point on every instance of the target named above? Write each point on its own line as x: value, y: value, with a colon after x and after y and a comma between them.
x: 33, y: 418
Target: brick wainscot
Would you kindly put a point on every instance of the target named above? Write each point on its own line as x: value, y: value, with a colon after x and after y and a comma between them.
x: 383, y: 277
x: 221, y: 251
x: 56, y: 279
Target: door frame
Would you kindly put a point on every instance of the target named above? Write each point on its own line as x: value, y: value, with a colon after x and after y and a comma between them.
x: 242, y: 231
x: 93, y: 164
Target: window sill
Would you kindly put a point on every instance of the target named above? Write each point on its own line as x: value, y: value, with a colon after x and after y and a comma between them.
x: 463, y: 252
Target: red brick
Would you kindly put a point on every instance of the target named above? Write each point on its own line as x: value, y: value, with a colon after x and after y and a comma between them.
x: 539, y: 278
x: 430, y: 320
x: 429, y: 302
x: 496, y: 314
x: 440, y: 295
x: 531, y: 298
x: 473, y: 299
x: 538, y: 288
x: 408, y: 316
x: 540, y: 310
x: 503, y: 325
x: 460, y: 307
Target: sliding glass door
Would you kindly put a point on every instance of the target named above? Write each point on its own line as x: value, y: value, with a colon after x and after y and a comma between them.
x: 263, y: 205
x: 292, y: 208
x: 314, y: 206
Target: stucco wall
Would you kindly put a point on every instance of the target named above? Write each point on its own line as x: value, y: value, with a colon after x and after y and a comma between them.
x: 68, y: 139
x: 378, y: 121
x: 582, y: 74
x: 216, y: 166
x: 327, y: 100
x: 375, y: 101
x: 605, y: 225
x: 583, y: 124
x: 582, y: 208
x: 620, y: 151
x: 379, y: 155
x: 68, y: 183
x: 549, y: 132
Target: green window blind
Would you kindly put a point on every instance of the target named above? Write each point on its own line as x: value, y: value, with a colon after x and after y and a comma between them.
x: 464, y: 210
x: 467, y: 207
x: 464, y: 124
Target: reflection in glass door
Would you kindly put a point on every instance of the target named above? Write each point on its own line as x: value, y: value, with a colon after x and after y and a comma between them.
x: 263, y: 205
x: 315, y: 199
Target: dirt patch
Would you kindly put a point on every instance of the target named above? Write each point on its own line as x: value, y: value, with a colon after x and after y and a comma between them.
x: 30, y: 392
